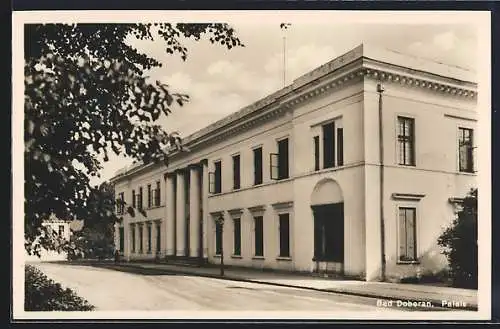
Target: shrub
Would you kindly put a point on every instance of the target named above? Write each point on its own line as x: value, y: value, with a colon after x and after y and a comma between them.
x: 459, y: 243
x: 43, y: 294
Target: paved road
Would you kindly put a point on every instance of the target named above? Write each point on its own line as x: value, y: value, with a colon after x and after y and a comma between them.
x: 111, y: 290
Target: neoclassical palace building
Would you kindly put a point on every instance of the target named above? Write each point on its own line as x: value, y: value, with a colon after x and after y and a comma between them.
x: 353, y: 169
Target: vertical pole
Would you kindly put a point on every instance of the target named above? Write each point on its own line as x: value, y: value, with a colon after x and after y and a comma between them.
x: 380, y: 90
x: 284, y: 60
x: 221, y: 221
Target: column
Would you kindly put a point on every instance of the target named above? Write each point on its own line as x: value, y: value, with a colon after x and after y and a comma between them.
x: 181, y: 215
x: 153, y: 237
x: 194, y: 211
x: 206, y: 213
x: 144, y: 238
x: 137, y: 237
x: 117, y: 237
x: 170, y: 219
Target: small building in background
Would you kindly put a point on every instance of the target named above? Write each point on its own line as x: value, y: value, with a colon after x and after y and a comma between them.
x: 63, y: 229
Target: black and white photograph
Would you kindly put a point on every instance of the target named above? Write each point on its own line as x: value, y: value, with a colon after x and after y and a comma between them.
x: 251, y: 165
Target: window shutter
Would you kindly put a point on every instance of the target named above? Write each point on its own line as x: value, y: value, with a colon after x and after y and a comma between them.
x: 402, y: 234
x: 410, y: 233
x: 274, y: 165
x: 211, y: 182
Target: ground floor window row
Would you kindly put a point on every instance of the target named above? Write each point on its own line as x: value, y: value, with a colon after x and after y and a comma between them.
x: 328, y: 234
x: 258, y: 236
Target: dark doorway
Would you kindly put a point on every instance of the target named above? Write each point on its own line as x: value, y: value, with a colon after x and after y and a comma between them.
x: 329, y: 232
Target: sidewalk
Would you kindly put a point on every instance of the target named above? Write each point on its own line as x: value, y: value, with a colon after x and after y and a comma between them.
x: 464, y: 299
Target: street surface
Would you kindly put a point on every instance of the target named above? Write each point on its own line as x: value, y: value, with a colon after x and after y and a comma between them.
x: 110, y: 290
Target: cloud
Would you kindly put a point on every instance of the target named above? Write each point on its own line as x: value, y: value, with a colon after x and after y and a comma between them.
x: 446, y: 41
x: 300, y: 60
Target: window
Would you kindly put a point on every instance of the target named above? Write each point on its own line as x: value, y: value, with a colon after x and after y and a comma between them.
x: 139, y: 199
x: 316, y: 152
x: 140, y: 240
x: 465, y: 148
x: 406, y: 141
x: 284, y: 229
x: 257, y: 164
x: 329, y: 145
x: 407, y: 234
x: 218, y: 178
x: 218, y: 238
x: 133, y: 199
x: 236, y: 172
x: 283, y: 159
x: 149, y: 238
x: 259, y: 235
x: 340, y: 146
x: 237, y: 236
x: 157, y: 194
x: 150, y: 198
x: 120, y: 207
x: 121, y: 238
x: 61, y: 230
x: 158, y: 237
x: 132, y: 237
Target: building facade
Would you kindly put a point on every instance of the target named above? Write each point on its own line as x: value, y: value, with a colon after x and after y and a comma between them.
x: 355, y: 169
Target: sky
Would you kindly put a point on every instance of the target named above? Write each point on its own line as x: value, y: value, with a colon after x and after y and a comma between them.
x: 220, y: 81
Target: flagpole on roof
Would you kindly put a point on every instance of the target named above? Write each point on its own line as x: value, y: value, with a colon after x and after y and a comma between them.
x: 284, y: 27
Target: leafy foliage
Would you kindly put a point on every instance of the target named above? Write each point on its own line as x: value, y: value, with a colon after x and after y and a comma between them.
x: 459, y: 243
x: 43, y: 294
x: 87, y: 94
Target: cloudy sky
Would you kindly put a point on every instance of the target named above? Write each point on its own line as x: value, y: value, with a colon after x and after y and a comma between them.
x: 220, y: 82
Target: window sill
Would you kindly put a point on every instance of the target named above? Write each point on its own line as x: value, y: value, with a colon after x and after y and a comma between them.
x: 466, y: 173
x: 154, y: 207
x: 217, y: 256
x: 280, y: 258
x: 408, y: 262
x: 236, y: 256
x: 258, y: 257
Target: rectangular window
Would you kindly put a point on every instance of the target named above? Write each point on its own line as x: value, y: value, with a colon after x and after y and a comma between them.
x: 340, y: 146
x: 257, y: 164
x: 236, y: 172
x: 134, y: 199
x: 122, y: 205
x: 132, y: 237
x: 141, y: 240
x: 406, y: 141
x: 259, y: 236
x: 237, y: 236
x: 283, y: 170
x: 218, y: 238
x: 149, y: 238
x: 465, y: 150
x: 157, y: 194
x: 329, y: 145
x: 407, y: 234
x: 121, y: 238
x: 61, y: 230
x: 218, y: 177
x: 158, y: 237
x: 316, y: 152
x: 150, y: 197
x: 139, y: 199
x: 284, y: 229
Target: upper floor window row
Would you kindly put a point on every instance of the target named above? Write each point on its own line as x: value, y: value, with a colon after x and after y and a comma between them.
x: 153, y: 197
x: 279, y: 167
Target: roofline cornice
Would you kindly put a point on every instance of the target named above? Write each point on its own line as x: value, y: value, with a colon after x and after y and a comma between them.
x: 284, y: 100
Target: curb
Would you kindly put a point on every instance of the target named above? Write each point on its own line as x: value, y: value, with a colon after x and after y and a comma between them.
x: 434, y: 302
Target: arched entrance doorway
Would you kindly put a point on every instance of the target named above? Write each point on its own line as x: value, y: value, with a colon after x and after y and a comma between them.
x: 327, y: 203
